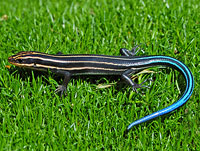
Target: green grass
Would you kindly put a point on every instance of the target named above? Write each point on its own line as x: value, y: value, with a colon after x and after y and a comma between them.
x: 32, y: 117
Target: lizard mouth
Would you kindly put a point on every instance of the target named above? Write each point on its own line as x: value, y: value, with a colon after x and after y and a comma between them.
x: 11, y: 59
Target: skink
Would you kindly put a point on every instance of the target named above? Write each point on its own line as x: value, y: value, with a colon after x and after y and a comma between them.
x: 126, y: 65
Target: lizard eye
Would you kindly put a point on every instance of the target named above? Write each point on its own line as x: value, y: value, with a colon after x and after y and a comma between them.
x: 19, y: 60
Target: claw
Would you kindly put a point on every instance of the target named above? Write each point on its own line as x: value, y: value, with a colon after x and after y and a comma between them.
x: 132, y: 52
x: 62, y: 89
x: 135, y: 86
x: 136, y: 49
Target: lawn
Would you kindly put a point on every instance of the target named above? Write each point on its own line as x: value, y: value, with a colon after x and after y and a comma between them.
x: 97, y: 109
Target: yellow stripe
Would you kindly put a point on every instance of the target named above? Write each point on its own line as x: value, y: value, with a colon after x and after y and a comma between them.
x: 67, y: 56
x: 66, y: 61
x: 67, y: 69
